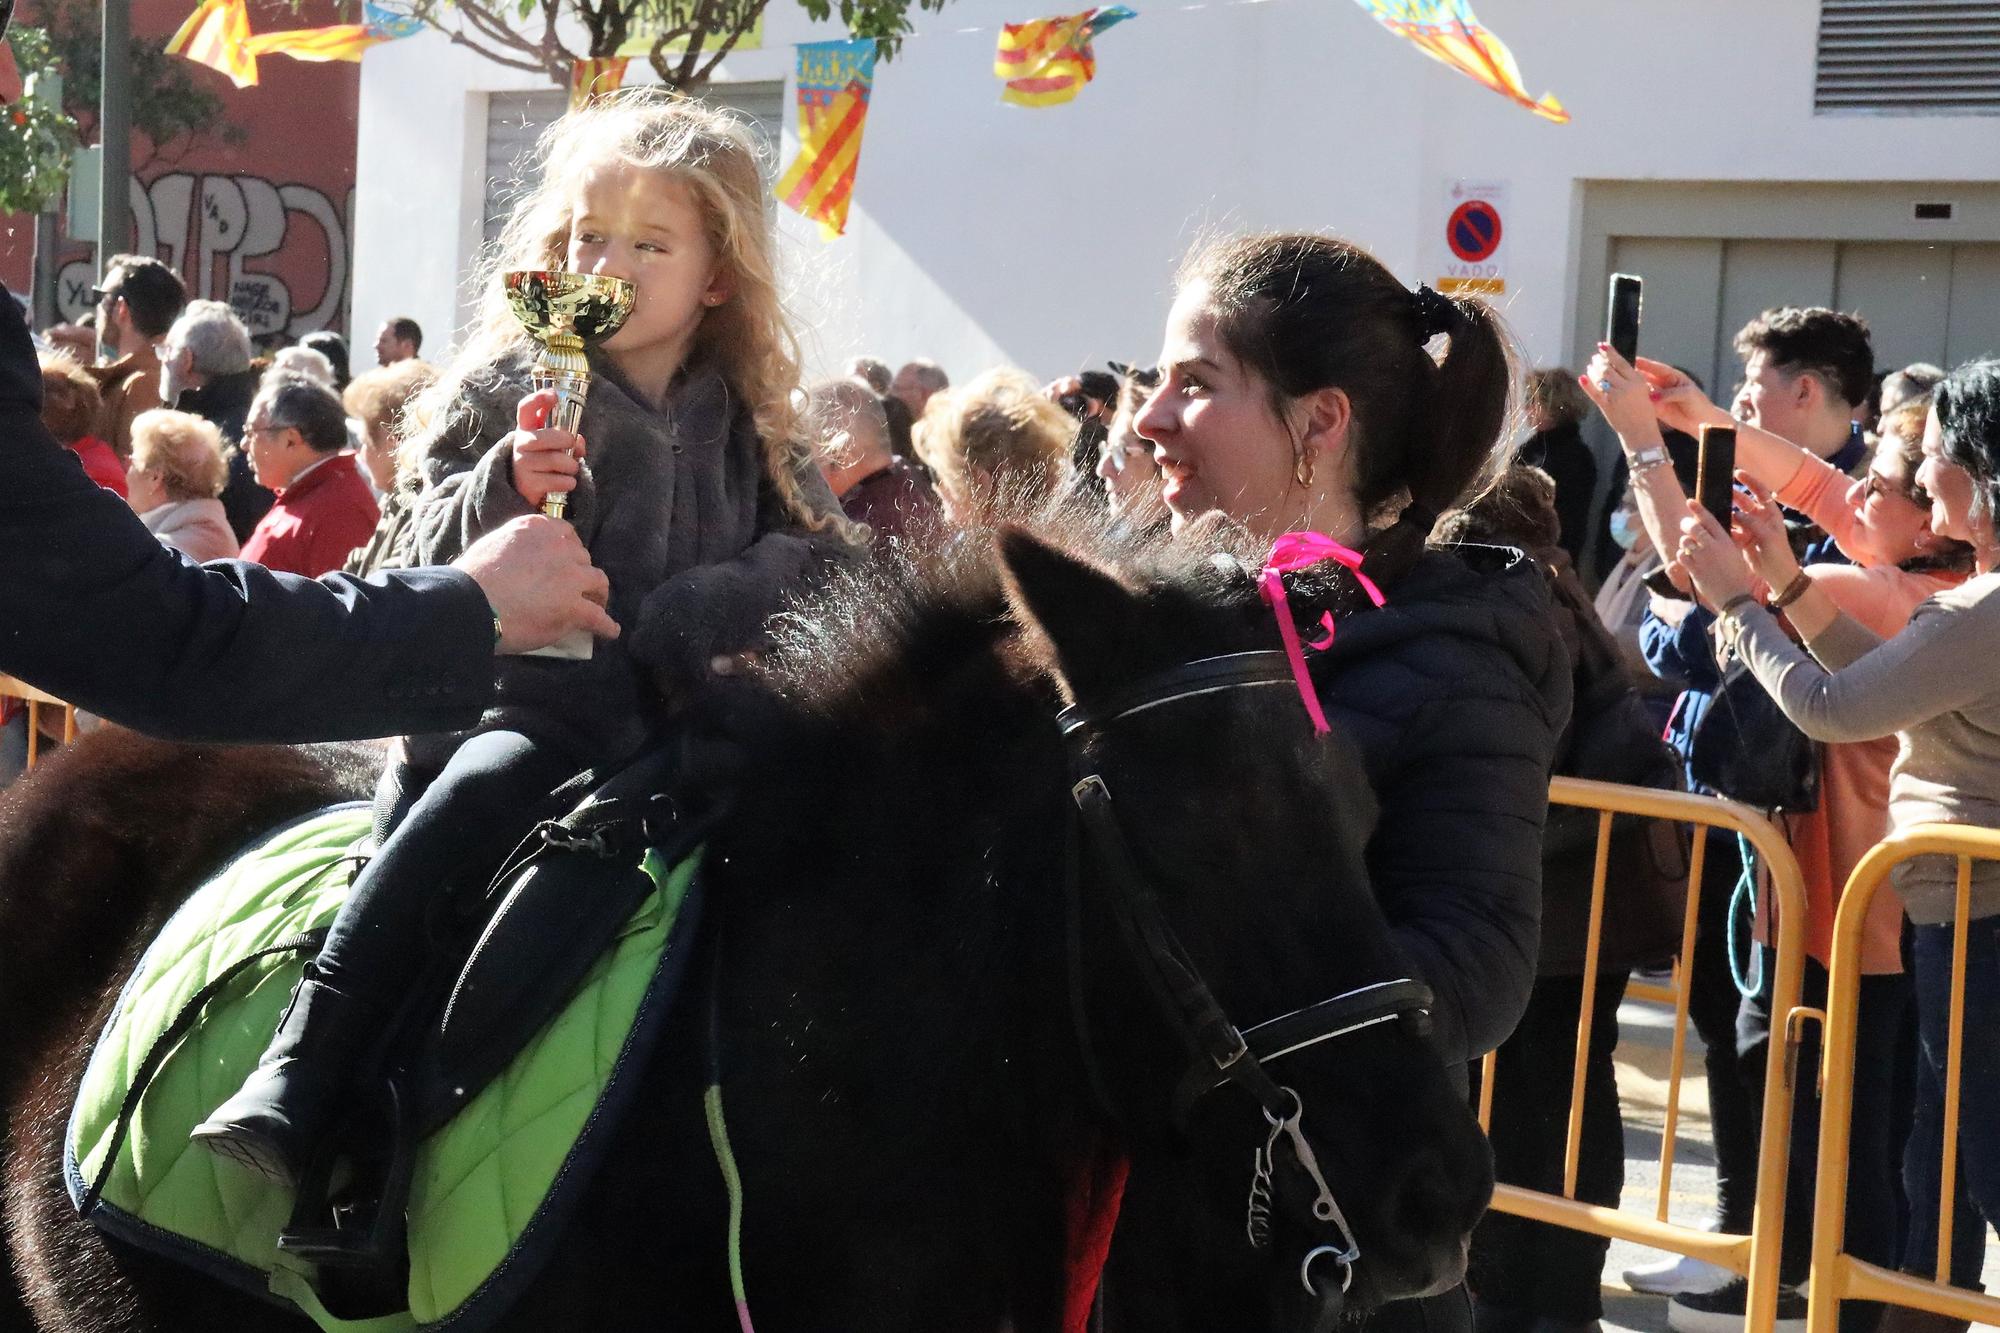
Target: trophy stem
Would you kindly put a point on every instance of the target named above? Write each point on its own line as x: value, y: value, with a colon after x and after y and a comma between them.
x: 562, y: 367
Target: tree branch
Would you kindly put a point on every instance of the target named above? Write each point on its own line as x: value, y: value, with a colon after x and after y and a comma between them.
x: 459, y: 38
x: 736, y: 31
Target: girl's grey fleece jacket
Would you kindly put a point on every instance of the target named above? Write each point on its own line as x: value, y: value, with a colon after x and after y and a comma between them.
x: 675, y: 509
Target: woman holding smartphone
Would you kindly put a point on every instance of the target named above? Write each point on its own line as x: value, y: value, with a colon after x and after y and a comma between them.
x: 1914, y: 684
x: 1878, y: 523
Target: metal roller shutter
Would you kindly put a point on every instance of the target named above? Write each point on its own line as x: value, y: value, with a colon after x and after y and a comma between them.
x: 1908, y: 57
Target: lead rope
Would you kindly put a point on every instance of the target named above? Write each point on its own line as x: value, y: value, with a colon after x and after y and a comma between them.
x: 725, y: 1158
x: 718, y: 1142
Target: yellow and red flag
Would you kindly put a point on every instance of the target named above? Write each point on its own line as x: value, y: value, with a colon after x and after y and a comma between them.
x: 594, y: 78
x: 216, y: 35
x: 835, y: 80
x: 1046, y: 62
x: 1448, y: 31
x: 340, y: 41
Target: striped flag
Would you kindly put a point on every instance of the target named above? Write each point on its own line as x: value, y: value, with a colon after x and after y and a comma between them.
x: 835, y: 80
x: 1448, y: 31
x: 1046, y: 62
x: 216, y: 35
x: 594, y: 78
x: 340, y: 41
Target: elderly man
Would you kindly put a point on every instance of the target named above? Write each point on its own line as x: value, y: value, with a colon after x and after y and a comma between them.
x: 916, y: 382
x: 136, y: 306
x: 295, y: 438
x: 205, y: 369
x: 875, y: 487
x: 399, y: 339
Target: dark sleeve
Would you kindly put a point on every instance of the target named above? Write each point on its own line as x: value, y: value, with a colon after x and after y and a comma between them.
x: 1456, y: 859
x: 1682, y: 652
x: 95, y: 610
x: 464, y: 506
x: 722, y: 609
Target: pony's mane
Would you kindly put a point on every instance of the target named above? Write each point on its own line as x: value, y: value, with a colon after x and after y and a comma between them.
x: 892, y: 624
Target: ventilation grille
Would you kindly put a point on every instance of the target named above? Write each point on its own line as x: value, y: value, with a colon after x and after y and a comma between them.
x: 1908, y: 57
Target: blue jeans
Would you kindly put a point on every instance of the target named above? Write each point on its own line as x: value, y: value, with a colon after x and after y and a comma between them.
x: 1979, y: 1095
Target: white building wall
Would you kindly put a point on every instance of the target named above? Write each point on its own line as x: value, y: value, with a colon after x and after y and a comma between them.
x: 1047, y: 237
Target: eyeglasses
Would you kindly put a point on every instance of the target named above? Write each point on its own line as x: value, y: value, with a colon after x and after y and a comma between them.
x: 98, y: 295
x: 1876, y: 484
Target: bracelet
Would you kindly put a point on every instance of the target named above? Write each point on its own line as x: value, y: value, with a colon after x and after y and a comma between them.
x: 1735, y: 604
x: 1793, y: 591
x: 1645, y: 460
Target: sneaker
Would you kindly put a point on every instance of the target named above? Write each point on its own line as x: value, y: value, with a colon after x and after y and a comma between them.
x: 1722, y: 1311
x: 1675, y: 1274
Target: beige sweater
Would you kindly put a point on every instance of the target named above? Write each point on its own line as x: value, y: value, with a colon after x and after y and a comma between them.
x: 1936, y: 687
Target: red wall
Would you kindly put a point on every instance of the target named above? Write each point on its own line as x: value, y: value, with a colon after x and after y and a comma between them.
x: 263, y: 223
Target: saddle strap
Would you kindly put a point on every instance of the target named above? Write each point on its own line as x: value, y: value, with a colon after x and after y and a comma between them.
x: 307, y: 942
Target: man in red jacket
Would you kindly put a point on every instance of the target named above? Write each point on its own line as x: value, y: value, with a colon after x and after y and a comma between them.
x: 295, y: 436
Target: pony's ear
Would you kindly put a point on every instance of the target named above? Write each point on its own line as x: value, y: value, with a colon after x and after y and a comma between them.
x: 1086, y: 615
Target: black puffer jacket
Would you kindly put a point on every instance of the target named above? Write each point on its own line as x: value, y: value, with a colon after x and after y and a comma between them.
x: 1456, y: 692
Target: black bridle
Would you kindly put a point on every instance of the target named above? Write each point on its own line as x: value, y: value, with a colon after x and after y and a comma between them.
x: 1221, y: 1053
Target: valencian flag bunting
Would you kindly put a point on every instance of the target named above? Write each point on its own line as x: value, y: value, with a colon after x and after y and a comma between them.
x: 218, y: 35
x: 594, y: 78
x: 215, y: 35
x: 1046, y: 62
x: 1449, y: 31
x: 834, y: 83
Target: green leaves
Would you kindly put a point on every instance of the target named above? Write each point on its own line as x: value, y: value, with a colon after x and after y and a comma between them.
x: 36, y: 138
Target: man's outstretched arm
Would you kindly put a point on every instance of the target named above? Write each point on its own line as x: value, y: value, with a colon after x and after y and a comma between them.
x: 95, y: 610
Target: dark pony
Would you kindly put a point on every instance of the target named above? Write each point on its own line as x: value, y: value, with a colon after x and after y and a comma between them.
x: 890, y: 922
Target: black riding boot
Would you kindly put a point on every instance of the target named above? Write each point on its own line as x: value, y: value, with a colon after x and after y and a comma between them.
x: 290, y: 1103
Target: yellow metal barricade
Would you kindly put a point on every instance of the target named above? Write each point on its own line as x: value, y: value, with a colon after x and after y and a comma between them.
x: 37, y: 700
x: 1755, y: 1255
x: 1836, y: 1275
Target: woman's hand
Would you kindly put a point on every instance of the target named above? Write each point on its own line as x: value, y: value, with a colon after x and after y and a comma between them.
x: 1678, y: 401
x: 1711, y: 559
x: 1623, y: 396
x: 1760, y: 531
x: 545, y: 462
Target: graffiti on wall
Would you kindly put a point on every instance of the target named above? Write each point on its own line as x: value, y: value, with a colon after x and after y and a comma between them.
x: 209, y: 229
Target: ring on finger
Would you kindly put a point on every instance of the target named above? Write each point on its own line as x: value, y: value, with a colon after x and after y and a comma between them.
x: 1604, y: 385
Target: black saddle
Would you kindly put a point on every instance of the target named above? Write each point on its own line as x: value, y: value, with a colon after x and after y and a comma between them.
x: 558, y: 902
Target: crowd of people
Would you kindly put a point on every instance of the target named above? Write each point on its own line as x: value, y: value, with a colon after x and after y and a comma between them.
x: 1500, y: 620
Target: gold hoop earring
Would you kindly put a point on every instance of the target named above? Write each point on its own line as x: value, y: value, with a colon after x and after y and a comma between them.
x: 1303, y: 467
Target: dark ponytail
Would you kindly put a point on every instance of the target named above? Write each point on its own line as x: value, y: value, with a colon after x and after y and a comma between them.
x: 1307, y: 313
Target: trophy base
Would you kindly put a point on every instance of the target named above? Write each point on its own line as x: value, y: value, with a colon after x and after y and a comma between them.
x: 576, y: 646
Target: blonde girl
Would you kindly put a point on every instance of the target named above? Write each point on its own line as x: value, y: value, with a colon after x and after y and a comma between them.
x: 690, y: 483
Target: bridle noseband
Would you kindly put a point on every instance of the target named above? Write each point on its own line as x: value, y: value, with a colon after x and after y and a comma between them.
x: 1222, y: 1053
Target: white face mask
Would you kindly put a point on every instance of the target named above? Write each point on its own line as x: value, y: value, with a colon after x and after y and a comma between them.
x: 1624, y: 529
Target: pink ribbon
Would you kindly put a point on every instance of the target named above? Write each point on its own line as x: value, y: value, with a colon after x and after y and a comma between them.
x: 1302, y: 550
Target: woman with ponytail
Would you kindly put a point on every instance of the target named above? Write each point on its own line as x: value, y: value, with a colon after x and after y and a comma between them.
x: 1300, y: 392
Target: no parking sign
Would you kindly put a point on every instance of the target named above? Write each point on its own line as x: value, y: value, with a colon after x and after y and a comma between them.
x: 1471, y: 245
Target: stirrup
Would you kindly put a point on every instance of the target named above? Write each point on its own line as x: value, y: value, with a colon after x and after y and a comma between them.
x: 348, y: 1234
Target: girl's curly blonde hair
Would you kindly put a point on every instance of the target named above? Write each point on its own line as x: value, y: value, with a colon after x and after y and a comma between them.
x: 713, y: 152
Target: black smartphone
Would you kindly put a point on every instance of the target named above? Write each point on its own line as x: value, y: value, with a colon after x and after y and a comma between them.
x: 1621, y: 324
x: 1715, y: 473
x: 1658, y: 583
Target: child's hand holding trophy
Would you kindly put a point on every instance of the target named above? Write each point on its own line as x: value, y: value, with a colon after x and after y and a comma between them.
x: 565, y: 313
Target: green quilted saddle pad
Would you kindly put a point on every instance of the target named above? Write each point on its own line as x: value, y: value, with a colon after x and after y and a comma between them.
x: 480, y: 1181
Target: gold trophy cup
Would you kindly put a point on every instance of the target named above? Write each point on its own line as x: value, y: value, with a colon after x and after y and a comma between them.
x: 565, y: 313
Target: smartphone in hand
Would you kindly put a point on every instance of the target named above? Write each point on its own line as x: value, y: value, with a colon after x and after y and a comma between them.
x: 1621, y: 324
x: 1660, y: 585
x: 1715, y: 473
